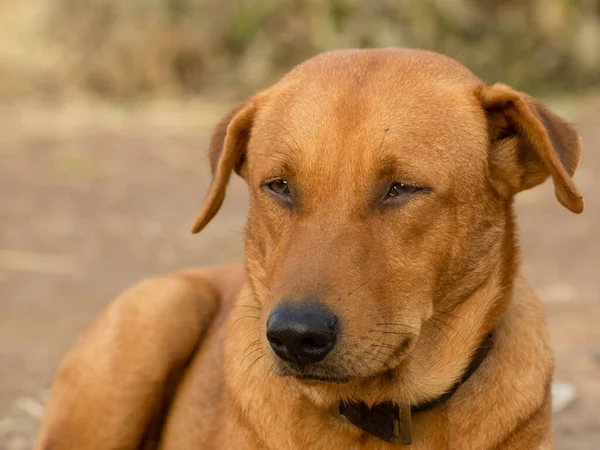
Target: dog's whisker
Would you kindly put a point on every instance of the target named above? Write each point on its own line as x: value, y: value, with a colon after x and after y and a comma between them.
x: 289, y: 133
x: 244, y: 317
x: 379, y: 341
x: 361, y: 285
x: 256, y: 328
x: 286, y: 143
x: 403, y: 316
x: 417, y: 331
x: 386, y: 311
x: 379, y: 352
x: 313, y: 397
x: 239, y: 305
x: 451, y: 327
x: 404, y: 324
x: 250, y: 346
x: 383, y: 310
x: 391, y: 308
x: 320, y: 395
x: 253, y: 343
x: 386, y: 332
x: 377, y: 359
x: 398, y: 349
x: 253, y: 351
x: 422, y: 331
x: 269, y: 372
x: 253, y: 363
x: 262, y: 282
x: 435, y: 324
x: 400, y: 333
x: 391, y: 347
x: 357, y: 288
x: 412, y: 358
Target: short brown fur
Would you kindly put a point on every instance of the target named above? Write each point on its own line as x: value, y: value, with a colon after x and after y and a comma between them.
x: 417, y: 282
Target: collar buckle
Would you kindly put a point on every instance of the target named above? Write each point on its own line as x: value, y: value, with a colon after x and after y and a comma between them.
x: 389, y: 422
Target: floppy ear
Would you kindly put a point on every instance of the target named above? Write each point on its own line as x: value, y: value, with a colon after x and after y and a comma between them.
x: 529, y: 143
x: 226, y: 153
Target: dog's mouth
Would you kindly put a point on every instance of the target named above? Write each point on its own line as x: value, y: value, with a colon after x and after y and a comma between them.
x: 322, y: 378
x: 326, y: 373
x: 310, y: 377
x: 311, y: 374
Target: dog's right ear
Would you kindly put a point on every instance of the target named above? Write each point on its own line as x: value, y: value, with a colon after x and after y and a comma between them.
x: 226, y: 153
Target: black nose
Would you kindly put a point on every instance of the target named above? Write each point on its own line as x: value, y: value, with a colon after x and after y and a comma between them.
x: 301, y: 333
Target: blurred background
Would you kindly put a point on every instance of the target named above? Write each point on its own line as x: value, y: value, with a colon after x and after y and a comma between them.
x: 105, y: 111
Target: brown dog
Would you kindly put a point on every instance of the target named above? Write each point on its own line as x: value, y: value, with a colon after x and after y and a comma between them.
x: 381, y: 301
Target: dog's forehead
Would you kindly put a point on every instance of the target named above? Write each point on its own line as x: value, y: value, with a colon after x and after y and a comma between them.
x: 417, y: 106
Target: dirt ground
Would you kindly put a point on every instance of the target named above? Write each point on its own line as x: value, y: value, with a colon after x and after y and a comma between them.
x: 92, y: 200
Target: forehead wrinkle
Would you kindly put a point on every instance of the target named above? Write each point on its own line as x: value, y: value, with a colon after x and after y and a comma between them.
x: 271, y: 153
x: 403, y: 168
x: 274, y: 163
x: 334, y: 132
x: 336, y: 151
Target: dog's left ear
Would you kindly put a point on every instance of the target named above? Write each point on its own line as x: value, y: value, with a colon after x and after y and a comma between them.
x: 529, y: 143
x: 226, y: 153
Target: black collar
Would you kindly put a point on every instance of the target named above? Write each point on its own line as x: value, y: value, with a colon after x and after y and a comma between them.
x: 391, y: 422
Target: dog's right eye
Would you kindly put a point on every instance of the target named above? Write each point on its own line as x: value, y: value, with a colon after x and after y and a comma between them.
x: 280, y: 187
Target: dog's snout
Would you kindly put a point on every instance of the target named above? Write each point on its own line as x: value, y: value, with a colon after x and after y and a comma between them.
x: 302, y: 333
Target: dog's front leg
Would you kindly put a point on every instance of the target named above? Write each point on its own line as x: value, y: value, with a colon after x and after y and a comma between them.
x: 112, y: 384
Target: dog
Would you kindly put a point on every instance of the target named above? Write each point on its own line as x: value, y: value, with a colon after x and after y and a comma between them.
x: 380, y: 305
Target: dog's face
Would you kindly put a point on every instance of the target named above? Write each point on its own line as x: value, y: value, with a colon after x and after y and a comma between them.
x: 356, y: 184
x: 380, y: 189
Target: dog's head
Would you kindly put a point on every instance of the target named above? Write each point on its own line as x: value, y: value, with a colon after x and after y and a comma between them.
x: 381, y: 186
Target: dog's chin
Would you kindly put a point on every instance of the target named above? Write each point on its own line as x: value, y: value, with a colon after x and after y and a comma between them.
x: 317, y: 375
x: 311, y: 375
x: 327, y: 388
x: 312, y: 378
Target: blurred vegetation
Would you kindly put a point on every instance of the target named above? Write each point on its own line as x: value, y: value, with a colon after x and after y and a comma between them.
x: 128, y: 48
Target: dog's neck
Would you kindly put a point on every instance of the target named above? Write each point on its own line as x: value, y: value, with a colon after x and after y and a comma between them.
x: 391, y: 422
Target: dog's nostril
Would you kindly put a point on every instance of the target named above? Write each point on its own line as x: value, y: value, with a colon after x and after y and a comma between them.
x: 274, y: 341
x: 309, y: 343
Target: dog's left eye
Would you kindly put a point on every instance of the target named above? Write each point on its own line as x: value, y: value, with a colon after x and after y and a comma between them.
x: 280, y: 187
x: 401, y: 189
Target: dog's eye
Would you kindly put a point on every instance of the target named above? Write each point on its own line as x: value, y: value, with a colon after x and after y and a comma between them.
x: 279, y: 187
x: 401, y: 189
